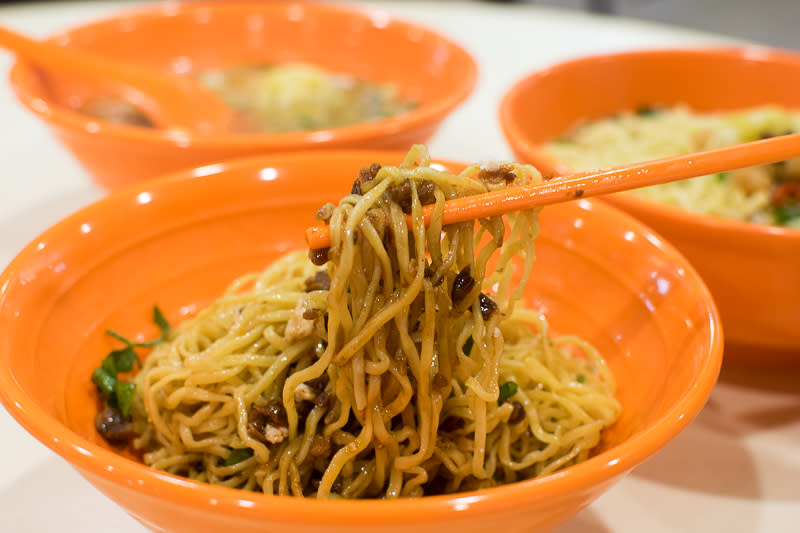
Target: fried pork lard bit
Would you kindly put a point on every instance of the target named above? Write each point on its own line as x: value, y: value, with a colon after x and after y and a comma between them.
x: 367, y: 174
x: 517, y: 413
x: 497, y: 174
x: 325, y: 212
x: 319, y: 256
x: 462, y: 286
x: 113, y: 426
x: 379, y: 220
x: 324, y: 399
x: 321, y: 281
x: 439, y: 382
x: 401, y: 194
x: 451, y: 423
x: 268, y: 423
x: 320, y: 446
x: 488, y: 306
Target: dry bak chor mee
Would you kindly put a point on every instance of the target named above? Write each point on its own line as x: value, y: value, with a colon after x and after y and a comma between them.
x: 763, y: 194
x: 399, y: 362
x: 280, y: 98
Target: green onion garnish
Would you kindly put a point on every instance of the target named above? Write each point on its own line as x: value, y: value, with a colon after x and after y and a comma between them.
x: 507, y: 390
x: 238, y: 455
x: 467, y: 348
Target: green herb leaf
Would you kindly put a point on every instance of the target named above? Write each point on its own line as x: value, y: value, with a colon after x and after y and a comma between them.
x: 119, y: 337
x: 722, y: 177
x: 647, y: 110
x: 507, y: 390
x: 238, y: 455
x: 161, y: 322
x: 468, y: 344
x: 124, y: 359
x: 123, y: 392
x: 109, y: 365
x: 580, y: 378
x: 120, y: 393
x: 104, y: 381
x: 786, y: 213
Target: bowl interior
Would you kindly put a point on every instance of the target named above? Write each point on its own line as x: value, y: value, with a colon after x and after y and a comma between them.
x: 422, y: 64
x: 178, y: 242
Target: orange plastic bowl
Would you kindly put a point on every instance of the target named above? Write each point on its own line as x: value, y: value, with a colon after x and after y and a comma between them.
x: 179, y: 241
x: 752, y: 270
x: 368, y: 44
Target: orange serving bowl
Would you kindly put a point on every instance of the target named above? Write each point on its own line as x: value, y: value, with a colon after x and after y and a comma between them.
x: 752, y: 270
x: 177, y: 242
x: 368, y: 44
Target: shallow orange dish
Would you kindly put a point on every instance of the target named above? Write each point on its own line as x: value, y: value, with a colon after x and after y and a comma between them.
x: 366, y: 44
x: 179, y: 241
x: 752, y: 270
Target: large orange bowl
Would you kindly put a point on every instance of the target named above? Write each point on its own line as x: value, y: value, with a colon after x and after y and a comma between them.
x: 752, y: 270
x: 177, y: 242
x: 368, y: 44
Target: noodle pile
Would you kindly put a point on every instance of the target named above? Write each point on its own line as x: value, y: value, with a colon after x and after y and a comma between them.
x: 404, y: 365
x: 301, y: 97
x: 765, y: 194
x: 289, y: 97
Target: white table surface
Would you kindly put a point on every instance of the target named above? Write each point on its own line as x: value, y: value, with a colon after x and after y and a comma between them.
x: 736, y: 468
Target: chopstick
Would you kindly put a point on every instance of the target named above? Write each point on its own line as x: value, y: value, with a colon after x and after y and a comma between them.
x: 605, y: 181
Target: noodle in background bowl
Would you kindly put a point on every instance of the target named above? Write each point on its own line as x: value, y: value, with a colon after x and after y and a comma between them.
x: 422, y: 64
x: 177, y: 242
x: 752, y: 270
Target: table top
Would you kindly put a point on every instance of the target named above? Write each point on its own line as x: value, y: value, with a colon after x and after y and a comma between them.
x: 736, y: 468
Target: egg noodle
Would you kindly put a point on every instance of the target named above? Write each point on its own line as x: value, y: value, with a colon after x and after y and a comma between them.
x: 754, y: 194
x: 402, y: 366
x: 268, y: 98
x: 300, y: 97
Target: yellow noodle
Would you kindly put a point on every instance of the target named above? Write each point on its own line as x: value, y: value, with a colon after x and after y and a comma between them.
x: 747, y: 194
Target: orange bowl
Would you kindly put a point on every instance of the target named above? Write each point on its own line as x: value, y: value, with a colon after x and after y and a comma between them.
x: 368, y: 44
x: 750, y: 269
x: 178, y: 241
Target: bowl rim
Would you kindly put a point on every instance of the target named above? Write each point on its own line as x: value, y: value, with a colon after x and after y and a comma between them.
x: 426, y: 113
x: 115, y: 469
x: 747, y: 234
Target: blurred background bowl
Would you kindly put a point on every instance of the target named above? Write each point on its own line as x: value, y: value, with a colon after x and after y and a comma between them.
x: 752, y: 270
x: 601, y: 275
x: 367, y: 44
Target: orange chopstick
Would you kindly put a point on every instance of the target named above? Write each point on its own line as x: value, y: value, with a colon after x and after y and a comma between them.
x: 605, y: 181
